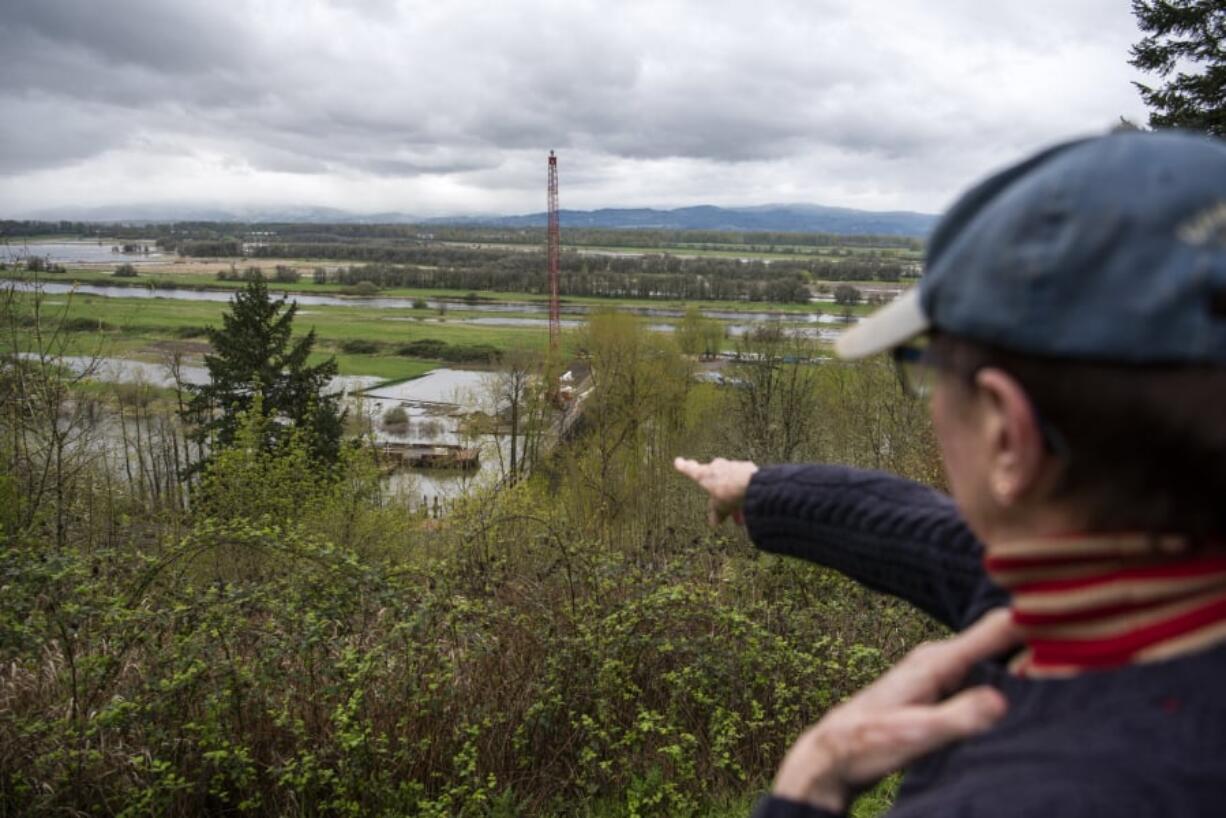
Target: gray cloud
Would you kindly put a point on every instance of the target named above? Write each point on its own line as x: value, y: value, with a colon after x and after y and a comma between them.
x: 427, y: 107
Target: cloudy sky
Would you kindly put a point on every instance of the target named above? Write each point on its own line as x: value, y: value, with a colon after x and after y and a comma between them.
x: 451, y: 106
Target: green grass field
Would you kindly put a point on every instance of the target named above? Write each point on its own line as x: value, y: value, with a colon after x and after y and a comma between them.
x: 146, y: 328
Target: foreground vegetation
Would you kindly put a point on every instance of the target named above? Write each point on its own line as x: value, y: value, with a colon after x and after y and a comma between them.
x: 275, y: 637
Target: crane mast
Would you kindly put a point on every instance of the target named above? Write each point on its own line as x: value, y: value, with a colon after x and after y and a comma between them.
x: 554, y: 244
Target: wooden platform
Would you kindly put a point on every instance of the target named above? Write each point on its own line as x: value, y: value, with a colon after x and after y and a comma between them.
x: 431, y: 455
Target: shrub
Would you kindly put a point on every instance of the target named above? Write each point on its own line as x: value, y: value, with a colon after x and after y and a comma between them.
x: 363, y: 288
x: 84, y: 324
x: 423, y: 348
x: 846, y: 295
x: 358, y: 347
x: 253, y: 274
x: 286, y: 275
x: 452, y: 353
x: 396, y: 418
x: 125, y: 270
x: 420, y: 304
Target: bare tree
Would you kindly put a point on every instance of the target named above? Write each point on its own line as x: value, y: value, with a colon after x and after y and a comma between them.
x: 50, y: 424
x: 774, y: 394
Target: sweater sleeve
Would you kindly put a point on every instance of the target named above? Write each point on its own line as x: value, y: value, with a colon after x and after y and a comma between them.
x: 883, y: 531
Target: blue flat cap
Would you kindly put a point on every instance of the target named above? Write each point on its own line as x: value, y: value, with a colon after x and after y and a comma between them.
x: 1110, y: 249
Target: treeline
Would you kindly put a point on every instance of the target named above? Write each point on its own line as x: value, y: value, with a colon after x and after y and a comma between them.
x: 761, y: 241
x: 583, y: 276
x: 589, y: 236
x: 13, y: 228
x: 647, y: 276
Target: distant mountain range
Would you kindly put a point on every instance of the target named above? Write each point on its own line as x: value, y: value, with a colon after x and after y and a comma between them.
x: 783, y: 218
x: 790, y: 218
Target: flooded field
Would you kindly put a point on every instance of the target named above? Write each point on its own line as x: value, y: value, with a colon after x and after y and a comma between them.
x: 126, y: 370
x: 435, y: 404
x: 78, y: 252
x: 435, y: 407
x: 394, y: 303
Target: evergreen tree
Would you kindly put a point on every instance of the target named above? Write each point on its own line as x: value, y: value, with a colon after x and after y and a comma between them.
x: 1186, y: 38
x: 254, y: 354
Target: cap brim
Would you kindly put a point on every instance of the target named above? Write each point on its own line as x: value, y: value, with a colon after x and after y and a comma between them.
x: 895, y: 323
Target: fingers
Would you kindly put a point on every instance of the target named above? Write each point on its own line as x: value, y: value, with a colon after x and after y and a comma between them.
x: 690, y: 468
x: 991, y: 636
x: 903, y: 735
x: 725, y: 482
x: 966, y: 714
x: 935, y: 668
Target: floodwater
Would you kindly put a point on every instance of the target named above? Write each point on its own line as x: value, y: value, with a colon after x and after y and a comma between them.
x: 78, y: 252
x: 306, y: 299
x: 436, y: 404
x: 457, y: 387
x: 126, y: 370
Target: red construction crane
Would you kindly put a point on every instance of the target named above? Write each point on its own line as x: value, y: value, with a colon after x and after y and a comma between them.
x: 555, y: 256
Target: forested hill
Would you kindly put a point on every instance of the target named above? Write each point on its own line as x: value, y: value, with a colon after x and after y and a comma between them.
x: 791, y: 218
x: 779, y: 218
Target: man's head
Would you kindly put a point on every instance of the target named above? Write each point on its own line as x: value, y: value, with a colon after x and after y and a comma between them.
x: 1075, y: 305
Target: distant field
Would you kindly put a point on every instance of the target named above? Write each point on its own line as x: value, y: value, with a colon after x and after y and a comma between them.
x: 151, y: 276
x: 146, y: 328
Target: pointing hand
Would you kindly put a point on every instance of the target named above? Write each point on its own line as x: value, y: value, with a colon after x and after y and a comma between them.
x: 725, y: 481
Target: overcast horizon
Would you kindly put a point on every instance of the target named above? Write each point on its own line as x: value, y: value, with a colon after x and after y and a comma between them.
x: 377, y: 106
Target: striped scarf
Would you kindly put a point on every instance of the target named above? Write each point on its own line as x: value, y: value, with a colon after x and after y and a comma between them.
x: 1090, y: 602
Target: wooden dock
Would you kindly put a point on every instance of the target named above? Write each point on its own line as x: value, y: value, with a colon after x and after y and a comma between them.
x: 431, y: 455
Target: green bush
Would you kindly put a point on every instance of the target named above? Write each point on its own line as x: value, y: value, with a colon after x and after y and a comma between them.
x: 255, y: 667
x: 125, y: 270
x: 83, y: 324
x: 362, y: 288
x: 453, y: 353
x: 358, y: 347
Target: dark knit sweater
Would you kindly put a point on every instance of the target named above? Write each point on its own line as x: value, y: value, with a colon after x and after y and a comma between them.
x: 1146, y: 740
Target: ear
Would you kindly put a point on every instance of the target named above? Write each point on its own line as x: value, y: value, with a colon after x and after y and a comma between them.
x: 1012, y: 437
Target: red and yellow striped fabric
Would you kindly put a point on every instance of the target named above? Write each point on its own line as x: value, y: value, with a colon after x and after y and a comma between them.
x: 1090, y: 602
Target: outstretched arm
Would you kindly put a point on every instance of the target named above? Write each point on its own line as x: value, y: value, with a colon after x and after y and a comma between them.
x: 885, y: 532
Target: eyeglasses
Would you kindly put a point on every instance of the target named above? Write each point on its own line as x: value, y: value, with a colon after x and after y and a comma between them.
x: 917, y: 370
